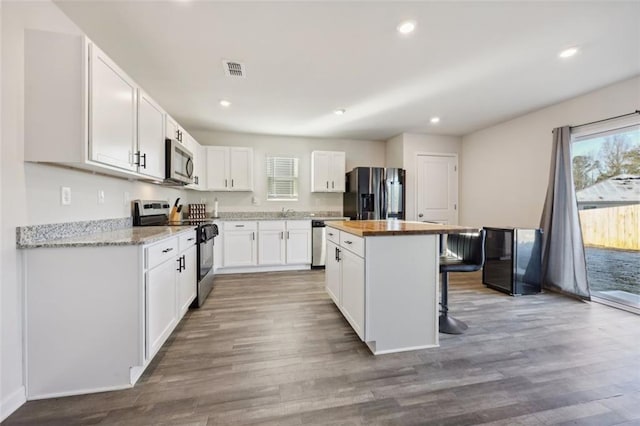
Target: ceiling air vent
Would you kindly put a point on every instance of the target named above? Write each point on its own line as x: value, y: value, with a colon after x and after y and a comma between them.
x: 234, y: 69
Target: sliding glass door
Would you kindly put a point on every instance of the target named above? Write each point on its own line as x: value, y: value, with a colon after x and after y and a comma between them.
x: 606, y: 173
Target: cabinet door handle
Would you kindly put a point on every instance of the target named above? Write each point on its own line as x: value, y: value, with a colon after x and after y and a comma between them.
x: 232, y: 183
x: 253, y: 236
x: 144, y: 157
x: 327, y: 184
x: 184, y: 262
x: 179, y: 264
x: 167, y: 250
x: 337, y: 254
x: 225, y: 183
x: 332, y: 184
x: 282, y: 235
x: 136, y: 161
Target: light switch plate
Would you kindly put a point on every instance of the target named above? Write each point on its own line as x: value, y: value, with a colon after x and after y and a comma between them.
x: 101, y: 196
x: 65, y: 195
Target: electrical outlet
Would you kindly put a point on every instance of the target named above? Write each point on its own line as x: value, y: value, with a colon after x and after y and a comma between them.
x: 100, y: 196
x: 255, y: 201
x: 127, y: 199
x: 65, y: 195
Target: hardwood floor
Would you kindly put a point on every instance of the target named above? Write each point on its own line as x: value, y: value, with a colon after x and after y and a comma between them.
x: 273, y: 349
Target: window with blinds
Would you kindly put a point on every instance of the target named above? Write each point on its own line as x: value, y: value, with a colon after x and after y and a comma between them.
x: 282, y: 178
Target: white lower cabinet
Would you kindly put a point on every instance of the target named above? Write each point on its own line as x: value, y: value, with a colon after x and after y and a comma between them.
x: 345, y: 280
x: 162, y: 311
x: 85, y: 335
x: 266, y: 245
x: 170, y: 286
x: 298, y: 238
x: 271, y: 242
x: 239, y: 242
x: 187, y: 279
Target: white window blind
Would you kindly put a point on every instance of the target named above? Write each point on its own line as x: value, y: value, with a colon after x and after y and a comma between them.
x: 282, y: 178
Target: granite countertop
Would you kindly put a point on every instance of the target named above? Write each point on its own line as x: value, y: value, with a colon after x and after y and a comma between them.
x: 119, y: 237
x: 371, y: 228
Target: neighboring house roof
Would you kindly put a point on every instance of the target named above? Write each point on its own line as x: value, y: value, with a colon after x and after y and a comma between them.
x: 621, y: 189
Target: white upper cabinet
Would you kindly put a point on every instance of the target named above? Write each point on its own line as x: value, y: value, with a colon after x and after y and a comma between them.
x: 173, y: 130
x: 112, y: 113
x: 229, y: 168
x: 199, y: 162
x: 151, y: 146
x: 85, y: 112
x: 327, y: 171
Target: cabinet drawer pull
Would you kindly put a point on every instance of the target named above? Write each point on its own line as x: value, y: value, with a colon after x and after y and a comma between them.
x: 191, y: 239
x: 349, y: 242
x: 239, y: 226
x: 330, y: 234
x: 167, y: 250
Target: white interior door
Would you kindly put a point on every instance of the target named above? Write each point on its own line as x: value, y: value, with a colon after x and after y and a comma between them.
x: 437, y: 189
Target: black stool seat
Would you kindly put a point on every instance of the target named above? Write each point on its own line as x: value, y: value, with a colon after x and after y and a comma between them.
x: 465, y: 253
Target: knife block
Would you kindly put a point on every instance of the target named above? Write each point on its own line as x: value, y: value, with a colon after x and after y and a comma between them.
x: 174, y: 216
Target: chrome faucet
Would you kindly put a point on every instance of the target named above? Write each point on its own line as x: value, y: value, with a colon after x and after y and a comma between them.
x: 286, y: 213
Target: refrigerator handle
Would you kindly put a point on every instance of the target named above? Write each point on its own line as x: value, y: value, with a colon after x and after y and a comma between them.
x: 383, y: 196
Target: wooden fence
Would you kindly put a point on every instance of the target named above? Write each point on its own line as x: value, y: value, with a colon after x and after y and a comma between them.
x: 612, y: 227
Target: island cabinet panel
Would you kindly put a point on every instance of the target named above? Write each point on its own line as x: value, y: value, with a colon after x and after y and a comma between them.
x: 353, y: 290
x: 386, y: 286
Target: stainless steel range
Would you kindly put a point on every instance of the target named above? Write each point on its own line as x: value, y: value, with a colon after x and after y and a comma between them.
x: 156, y: 213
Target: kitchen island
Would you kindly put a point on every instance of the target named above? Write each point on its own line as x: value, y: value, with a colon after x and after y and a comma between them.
x: 383, y: 277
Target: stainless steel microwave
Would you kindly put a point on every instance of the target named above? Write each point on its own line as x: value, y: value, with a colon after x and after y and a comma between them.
x: 179, y: 163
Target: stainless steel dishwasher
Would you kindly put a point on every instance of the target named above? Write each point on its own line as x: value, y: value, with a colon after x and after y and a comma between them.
x: 318, y: 243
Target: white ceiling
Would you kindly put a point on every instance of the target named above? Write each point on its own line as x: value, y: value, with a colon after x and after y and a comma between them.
x: 471, y: 63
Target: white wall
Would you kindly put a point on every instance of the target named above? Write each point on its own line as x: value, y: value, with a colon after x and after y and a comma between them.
x: 358, y: 153
x: 504, y: 168
x: 394, y: 152
x: 30, y: 192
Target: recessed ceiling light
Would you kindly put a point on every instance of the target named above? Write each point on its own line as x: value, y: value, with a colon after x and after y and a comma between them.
x: 435, y: 120
x: 406, y: 27
x: 340, y: 111
x: 225, y: 103
x: 567, y: 53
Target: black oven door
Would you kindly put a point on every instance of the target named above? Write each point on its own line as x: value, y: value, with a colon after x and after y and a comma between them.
x: 205, y: 250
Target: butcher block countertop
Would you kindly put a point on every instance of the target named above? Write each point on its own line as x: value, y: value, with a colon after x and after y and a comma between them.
x: 372, y: 228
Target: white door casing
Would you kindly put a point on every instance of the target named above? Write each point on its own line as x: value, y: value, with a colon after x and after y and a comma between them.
x: 437, y: 188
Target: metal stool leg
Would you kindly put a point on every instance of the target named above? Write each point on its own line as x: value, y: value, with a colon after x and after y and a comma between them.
x: 447, y: 324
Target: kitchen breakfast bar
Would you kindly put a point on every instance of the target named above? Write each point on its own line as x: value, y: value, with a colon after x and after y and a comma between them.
x: 383, y: 277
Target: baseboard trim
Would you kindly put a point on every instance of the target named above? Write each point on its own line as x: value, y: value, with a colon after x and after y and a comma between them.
x: 79, y: 392
x: 252, y: 269
x: 12, y: 402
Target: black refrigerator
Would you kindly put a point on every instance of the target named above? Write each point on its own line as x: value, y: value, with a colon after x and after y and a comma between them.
x: 373, y: 193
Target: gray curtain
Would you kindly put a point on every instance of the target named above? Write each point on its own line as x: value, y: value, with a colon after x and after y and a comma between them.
x: 563, y: 262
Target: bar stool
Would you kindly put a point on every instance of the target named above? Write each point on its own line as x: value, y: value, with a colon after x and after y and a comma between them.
x: 465, y: 253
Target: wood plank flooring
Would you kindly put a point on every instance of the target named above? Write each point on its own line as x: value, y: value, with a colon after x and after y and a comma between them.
x: 273, y: 349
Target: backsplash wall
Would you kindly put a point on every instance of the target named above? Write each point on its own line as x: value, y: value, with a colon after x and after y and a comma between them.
x: 358, y: 153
